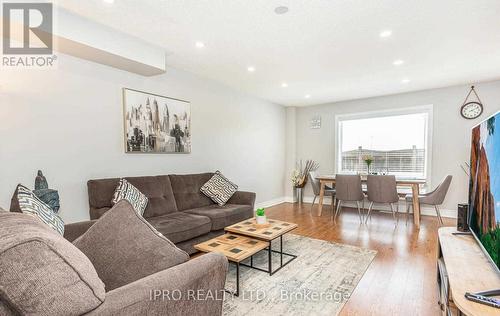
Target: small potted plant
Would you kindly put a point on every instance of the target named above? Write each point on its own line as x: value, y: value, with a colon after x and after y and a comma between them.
x: 261, y: 216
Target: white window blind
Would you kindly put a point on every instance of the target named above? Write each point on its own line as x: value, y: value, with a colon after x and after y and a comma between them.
x: 396, y: 143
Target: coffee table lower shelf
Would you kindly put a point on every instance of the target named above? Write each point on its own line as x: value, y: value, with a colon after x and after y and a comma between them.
x: 270, y: 251
x: 238, y: 248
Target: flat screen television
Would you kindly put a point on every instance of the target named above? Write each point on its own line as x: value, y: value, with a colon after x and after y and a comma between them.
x: 484, y: 187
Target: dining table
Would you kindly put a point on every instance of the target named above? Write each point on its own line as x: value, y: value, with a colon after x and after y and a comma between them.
x: 414, y: 184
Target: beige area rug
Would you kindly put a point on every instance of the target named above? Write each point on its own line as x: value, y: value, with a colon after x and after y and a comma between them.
x: 318, y: 282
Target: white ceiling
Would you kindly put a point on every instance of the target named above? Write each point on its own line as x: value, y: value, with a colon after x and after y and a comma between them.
x: 328, y: 49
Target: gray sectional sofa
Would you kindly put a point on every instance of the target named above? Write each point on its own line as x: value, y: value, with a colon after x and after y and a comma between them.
x: 88, y: 282
x: 41, y: 273
x: 176, y: 207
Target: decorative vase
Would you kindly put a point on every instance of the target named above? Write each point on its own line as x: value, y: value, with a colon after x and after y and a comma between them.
x: 261, y: 220
x: 298, y: 195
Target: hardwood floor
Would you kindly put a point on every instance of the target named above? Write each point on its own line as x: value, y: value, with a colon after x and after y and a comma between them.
x: 401, y: 280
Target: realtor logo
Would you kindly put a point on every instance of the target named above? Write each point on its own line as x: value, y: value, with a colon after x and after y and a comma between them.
x: 27, y: 35
x: 33, y: 23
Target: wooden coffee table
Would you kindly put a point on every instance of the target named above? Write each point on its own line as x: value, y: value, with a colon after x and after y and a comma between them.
x: 236, y: 248
x: 275, y: 229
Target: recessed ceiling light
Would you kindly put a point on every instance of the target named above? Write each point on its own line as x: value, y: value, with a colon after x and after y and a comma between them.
x: 281, y: 10
x: 406, y: 80
x: 251, y: 69
x: 284, y: 84
x: 307, y: 96
x: 385, y: 33
x: 199, y: 44
x: 398, y: 62
x: 109, y: 1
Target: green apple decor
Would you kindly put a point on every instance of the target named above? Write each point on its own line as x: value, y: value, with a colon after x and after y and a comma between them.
x: 261, y: 216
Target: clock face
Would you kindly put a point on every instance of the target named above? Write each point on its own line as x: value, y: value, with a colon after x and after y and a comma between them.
x: 471, y: 110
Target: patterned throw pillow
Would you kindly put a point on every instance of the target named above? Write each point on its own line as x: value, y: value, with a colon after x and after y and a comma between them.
x: 29, y: 203
x: 219, y: 188
x: 126, y: 191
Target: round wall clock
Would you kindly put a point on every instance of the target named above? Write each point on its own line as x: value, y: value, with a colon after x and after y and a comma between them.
x: 472, y: 109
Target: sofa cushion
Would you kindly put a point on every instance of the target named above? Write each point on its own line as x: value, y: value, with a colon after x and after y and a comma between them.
x: 223, y: 216
x: 126, y: 191
x: 219, y: 189
x: 181, y: 226
x: 124, y: 247
x: 157, y: 188
x: 187, y: 192
x: 41, y: 273
x: 30, y: 204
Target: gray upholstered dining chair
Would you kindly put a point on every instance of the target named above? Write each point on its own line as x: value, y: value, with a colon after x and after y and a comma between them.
x: 434, y: 198
x: 382, y: 189
x: 315, y: 183
x: 348, y: 188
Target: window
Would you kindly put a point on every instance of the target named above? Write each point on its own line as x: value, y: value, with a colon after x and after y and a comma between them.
x: 396, y: 141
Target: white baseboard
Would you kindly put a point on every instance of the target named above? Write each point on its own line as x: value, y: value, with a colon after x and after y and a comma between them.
x: 270, y: 202
x: 425, y: 210
x: 430, y: 211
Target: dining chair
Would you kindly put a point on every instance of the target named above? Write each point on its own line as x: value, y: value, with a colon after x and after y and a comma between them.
x: 434, y: 198
x: 348, y: 188
x: 316, y: 186
x: 382, y: 189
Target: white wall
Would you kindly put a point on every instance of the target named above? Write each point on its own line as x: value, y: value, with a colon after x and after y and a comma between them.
x: 451, y: 133
x: 68, y: 122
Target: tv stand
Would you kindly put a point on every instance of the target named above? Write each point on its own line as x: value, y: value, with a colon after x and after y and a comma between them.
x: 462, y: 268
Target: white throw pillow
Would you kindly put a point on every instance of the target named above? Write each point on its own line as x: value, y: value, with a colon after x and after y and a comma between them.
x: 30, y: 204
x: 219, y: 188
x: 126, y: 191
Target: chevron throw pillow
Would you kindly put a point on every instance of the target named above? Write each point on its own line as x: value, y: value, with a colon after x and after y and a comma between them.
x: 126, y: 191
x: 219, y: 188
x: 30, y: 204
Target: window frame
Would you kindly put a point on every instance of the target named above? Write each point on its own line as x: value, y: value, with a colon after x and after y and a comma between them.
x: 425, y: 109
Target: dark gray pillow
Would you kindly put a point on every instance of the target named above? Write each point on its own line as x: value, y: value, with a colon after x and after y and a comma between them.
x: 124, y: 247
x: 14, y: 203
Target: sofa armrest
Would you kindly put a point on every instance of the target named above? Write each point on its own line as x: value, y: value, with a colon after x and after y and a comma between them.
x: 195, y: 287
x: 243, y: 198
x: 74, y: 230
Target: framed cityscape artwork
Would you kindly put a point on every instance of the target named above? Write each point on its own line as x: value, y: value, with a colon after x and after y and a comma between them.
x: 156, y: 124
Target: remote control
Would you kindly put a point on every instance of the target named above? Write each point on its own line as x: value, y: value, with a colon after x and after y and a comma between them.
x: 490, y: 301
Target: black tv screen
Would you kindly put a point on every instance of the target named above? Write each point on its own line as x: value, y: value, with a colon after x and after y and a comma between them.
x: 484, y: 186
